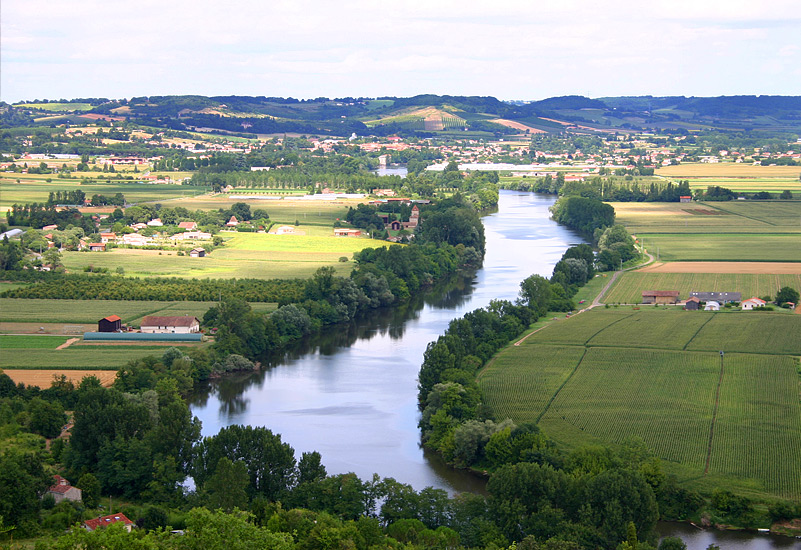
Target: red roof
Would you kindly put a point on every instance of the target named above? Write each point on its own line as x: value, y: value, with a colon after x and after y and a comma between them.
x: 104, y: 521
x: 61, y: 486
x: 112, y: 318
x: 187, y: 225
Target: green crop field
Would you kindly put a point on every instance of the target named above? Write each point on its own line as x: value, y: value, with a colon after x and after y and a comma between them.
x: 24, y: 310
x: 757, y: 247
x: 592, y: 379
x: 15, y: 341
x: 75, y: 357
x: 629, y: 286
x: 56, y: 107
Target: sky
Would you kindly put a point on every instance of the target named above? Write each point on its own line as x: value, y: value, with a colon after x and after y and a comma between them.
x: 508, y: 49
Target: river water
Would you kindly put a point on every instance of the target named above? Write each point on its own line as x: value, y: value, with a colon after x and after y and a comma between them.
x: 351, y: 394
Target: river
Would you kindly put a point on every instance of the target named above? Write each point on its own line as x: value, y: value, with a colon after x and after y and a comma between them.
x: 351, y: 394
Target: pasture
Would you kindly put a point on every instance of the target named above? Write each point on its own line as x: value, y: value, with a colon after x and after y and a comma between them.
x: 603, y: 376
x: 244, y: 255
x: 629, y: 286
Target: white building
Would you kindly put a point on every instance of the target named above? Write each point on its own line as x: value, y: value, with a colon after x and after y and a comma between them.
x: 162, y: 325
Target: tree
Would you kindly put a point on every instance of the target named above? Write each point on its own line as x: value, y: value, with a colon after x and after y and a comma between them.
x: 227, y: 487
x: 535, y: 292
x: 787, y: 294
x: 46, y: 418
x: 90, y: 490
x: 672, y: 543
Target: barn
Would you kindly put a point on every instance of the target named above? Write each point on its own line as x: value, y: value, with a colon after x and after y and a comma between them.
x: 660, y: 296
x: 155, y: 324
x: 112, y: 323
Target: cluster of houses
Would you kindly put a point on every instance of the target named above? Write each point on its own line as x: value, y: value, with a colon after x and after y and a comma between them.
x: 62, y: 490
x: 711, y: 301
x: 190, y: 233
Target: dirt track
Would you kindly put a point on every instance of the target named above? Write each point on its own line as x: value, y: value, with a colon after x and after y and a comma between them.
x: 774, y: 268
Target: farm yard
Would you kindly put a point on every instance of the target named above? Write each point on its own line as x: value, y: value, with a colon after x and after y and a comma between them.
x: 603, y: 376
x: 628, y: 288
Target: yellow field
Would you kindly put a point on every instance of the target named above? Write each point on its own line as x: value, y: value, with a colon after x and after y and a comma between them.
x: 44, y: 377
x: 729, y: 170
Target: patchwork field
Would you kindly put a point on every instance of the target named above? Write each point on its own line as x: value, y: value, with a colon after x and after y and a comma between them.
x: 629, y: 286
x: 256, y: 255
x: 603, y: 376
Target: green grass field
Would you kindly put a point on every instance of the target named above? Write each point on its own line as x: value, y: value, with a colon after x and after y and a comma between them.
x: 629, y: 287
x: 593, y: 379
x: 75, y: 357
x: 245, y: 255
x: 14, y: 341
x: 56, y: 107
x: 24, y: 310
x: 36, y: 188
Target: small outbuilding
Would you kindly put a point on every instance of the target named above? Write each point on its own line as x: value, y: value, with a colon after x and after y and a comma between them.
x: 197, y: 253
x: 692, y: 303
x: 112, y: 323
x: 233, y: 222
x: 660, y: 296
x: 346, y: 232
x: 712, y: 306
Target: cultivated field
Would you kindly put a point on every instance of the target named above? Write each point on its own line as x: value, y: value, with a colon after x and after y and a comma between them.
x: 603, y: 376
x: 629, y: 286
x: 43, y: 378
x: 76, y: 357
x: 728, y: 170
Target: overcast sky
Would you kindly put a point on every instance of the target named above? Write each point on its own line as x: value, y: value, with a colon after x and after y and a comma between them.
x: 509, y: 49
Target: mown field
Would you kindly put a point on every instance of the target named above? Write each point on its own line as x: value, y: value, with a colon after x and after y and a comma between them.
x: 610, y: 374
x: 728, y: 170
x: 629, y: 286
x: 75, y: 357
x: 244, y: 255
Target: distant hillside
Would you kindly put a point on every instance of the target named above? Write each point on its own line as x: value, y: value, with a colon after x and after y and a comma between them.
x: 430, y: 115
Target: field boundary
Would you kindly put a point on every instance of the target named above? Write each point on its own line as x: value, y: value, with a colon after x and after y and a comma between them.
x: 559, y: 389
x: 697, y: 332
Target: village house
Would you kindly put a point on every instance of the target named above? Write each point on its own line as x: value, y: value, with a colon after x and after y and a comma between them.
x: 154, y: 324
x: 97, y: 247
x: 62, y: 490
x: 192, y: 235
x: 134, y: 239
x: 155, y: 222
x: 108, y: 237
x: 105, y: 521
x: 720, y: 297
x: 751, y: 303
x: 189, y: 226
x: 197, y: 253
x: 660, y: 296
x: 112, y: 323
x: 232, y: 222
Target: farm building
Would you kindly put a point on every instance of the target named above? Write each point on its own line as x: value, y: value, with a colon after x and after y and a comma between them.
x: 154, y: 324
x: 197, y: 253
x: 112, y: 323
x: 193, y: 235
x: 660, y: 296
x: 692, y: 303
x: 155, y: 222
x: 189, y: 226
x: 108, y: 237
x: 11, y: 233
x: 97, y: 247
x: 142, y: 337
x: 345, y: 232
x: 233, y: 222
x: 720, y: 297
x: 134, y: 239
x: 285, y: 230
x: 751, y: 303
x: 685, y: 198
x: 105, y: 521
x: 712, y: 306
x: 62, y: 490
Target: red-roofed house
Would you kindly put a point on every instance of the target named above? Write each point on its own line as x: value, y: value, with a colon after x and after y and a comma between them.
x: 232, y: 222
x: 189, y: 226
x: 62, y: 490
x: 751, y: 303
x: 105, y: 521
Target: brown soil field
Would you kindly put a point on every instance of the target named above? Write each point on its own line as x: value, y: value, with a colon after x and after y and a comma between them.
x: 49, y: 328
x: 777, y: 268
x: 516, y: 125
x: 44, y: 377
